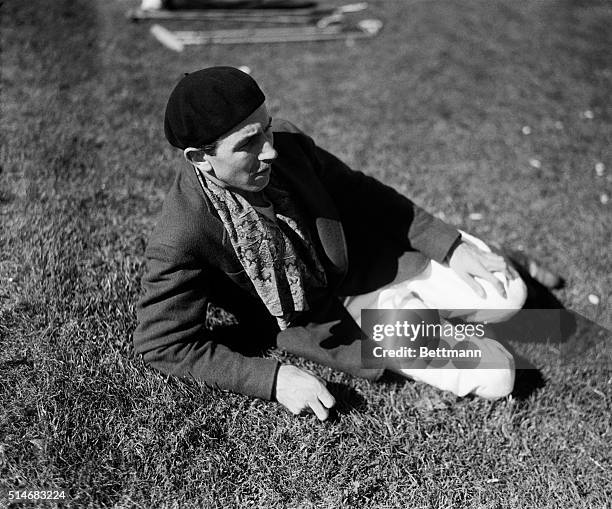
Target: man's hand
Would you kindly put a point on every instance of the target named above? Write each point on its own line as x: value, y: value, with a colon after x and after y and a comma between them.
x: 469, y: 262
x: 298, y: 390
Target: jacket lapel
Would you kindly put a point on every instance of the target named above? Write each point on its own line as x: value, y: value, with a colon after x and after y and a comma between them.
x: 321, y: 214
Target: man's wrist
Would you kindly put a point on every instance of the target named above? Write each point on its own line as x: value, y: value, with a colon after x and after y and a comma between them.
x: 275, y: 380
x: 452, y: 249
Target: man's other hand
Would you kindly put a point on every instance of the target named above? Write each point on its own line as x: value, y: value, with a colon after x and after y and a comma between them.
x: 298, y: 390
x: 470, y: 262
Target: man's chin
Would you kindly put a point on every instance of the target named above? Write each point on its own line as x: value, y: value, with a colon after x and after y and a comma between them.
x: 259, y: 183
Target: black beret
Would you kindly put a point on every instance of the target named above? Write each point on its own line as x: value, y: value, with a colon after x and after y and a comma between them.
x: 206, y: 104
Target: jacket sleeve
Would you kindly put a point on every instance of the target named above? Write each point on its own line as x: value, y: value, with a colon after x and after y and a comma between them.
x: 172, y: 336
x: 358, y: 195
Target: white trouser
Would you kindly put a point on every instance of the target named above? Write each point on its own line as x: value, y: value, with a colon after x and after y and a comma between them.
x: 439, y: 287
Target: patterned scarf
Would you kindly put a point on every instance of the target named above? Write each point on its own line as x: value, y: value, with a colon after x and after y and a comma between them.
x: 278, y: 256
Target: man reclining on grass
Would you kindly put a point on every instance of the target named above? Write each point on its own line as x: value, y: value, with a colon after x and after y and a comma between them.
x: 293, y: 243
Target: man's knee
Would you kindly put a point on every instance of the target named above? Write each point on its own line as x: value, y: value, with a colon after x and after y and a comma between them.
x: 498, y: 383
x: 496, y: 378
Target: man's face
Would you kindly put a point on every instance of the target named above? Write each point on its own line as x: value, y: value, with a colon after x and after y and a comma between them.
x: 244, y: 155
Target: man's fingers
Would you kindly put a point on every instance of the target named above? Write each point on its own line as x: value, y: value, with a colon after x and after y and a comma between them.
x: 326, y: 398
x: 494, y: 262
x: 298, y: 390
x: 474, y: 285
x: 497, y: 263
x: 500, y: 264
x: 470, y: 263
x: 320, y: 411
x: 512, y: 271
x: 487, y: 276
x: 497, y: 284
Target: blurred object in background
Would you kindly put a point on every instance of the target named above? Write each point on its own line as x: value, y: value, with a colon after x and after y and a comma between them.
x: 316, y: 23
x: 253, y: 11
x: 225, y: 4
x: 177, y: 40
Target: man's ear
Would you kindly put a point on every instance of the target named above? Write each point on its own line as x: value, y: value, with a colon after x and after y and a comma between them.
x: 197, y: 157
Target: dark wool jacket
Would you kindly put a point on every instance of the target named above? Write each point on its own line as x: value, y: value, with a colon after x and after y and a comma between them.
x: 366, y: 234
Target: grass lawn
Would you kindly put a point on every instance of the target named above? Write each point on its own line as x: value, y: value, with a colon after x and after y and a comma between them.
x: 435, y: 106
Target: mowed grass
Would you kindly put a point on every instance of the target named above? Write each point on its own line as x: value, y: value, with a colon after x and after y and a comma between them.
x: 434, y: 106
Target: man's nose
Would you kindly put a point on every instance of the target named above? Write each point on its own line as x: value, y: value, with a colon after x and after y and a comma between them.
x: 268, y: 153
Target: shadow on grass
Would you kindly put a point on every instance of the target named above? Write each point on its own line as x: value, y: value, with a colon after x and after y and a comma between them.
x: 545, y: 320
x: 529, y: 378
x: 527, y: 381
x: 347, y: 399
